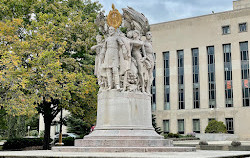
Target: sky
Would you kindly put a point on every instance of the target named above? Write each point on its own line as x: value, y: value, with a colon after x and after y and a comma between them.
x: 158, y: 11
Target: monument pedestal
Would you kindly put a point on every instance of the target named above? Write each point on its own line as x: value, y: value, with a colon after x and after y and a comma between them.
x: 124, y: 124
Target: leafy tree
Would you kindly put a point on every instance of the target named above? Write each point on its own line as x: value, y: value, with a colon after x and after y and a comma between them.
x: 78, y: 126
x: 157, y: 129
x: 216, y: 127
x: 3, y: 122
x: 45, y: 61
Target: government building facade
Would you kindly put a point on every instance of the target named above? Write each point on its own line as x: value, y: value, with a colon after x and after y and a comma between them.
x: 202, y: 72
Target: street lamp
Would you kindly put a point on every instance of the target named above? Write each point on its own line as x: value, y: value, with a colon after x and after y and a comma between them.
x: 60, y: 143
x: 28, y: 130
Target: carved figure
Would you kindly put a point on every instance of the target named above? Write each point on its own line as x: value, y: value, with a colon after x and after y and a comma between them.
x: 150, y: 59
x: 138, y: 56
x: 134, y: 20
x: 123, y: 60
x: 110, y: 57
x: 97, y: 48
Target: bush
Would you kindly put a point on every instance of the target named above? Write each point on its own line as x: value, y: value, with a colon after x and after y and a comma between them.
x: 33, y: 133
x: 172, y: 135
x: 190, y: 135
x: 19, y: 143
x: 41, y: 134
x: 236, y: 143
x: 216, y: 127
x: 203, y: 143
x: 69, y: 141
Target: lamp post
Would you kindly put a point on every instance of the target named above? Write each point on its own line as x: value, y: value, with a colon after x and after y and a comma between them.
x: 28, y: 130
x: 60, y: 143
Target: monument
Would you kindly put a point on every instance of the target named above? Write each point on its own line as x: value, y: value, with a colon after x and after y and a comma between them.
x: 124, y: 67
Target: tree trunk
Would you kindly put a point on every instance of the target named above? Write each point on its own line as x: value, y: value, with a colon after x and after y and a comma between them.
x: 46, y: 141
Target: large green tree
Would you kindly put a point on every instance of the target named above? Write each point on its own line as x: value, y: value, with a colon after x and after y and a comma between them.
x: 44, y: 57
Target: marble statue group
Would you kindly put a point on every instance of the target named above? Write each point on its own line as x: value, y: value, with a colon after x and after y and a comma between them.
x: 124, y: 61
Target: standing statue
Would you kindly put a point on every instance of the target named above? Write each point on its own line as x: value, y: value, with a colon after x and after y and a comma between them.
x: 138, y: 55
x: 150, y: 58
x: 110, y: 58
x: 123, y: 60
x: 97, y: 48
x: 99, y: 72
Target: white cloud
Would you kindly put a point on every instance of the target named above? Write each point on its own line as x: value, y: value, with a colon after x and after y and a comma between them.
x: 166, y: 10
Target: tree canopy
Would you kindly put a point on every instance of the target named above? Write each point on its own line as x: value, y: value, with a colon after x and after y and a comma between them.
x: 45, y: 58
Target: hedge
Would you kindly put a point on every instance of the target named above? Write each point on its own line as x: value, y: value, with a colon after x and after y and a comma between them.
x: 69, y: 141
x: 19, y: 143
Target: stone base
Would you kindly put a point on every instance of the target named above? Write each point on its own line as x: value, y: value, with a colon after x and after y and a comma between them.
x: 123, y: 149
x: 123, y: 141
x: 123, y: 134
x: 124, y: 124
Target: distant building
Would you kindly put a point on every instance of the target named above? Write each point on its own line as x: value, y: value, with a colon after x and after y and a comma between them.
x: 202, y: 72
x: 55, y: 127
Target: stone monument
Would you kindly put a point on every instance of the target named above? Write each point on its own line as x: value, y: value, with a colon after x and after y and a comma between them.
x: 124, y: 67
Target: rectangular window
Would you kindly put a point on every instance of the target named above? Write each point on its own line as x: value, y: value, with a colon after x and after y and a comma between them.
x: 166, y: 81
x: 196, y: 81
x: 228, y: 75
x: 225, y: 29
x: 210, y: 119
x: 211, y: 77
x: 230, y: 125
x: 153, y: 91
x: 245, y: 73
x: 181, y: 126
x: 196, y: 125
x: 243, y: 27
x: 181, y: 93
x: 166, y: 126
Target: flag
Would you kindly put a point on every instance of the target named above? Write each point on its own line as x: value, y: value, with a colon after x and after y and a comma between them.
x: 246, y: 83
x: 229, y: 85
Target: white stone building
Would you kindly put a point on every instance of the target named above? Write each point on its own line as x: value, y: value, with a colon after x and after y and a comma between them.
x: 202, y: 72
x: 55, y: 129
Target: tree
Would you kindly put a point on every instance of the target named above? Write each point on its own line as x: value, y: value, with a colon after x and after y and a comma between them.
x: 157, y: 129
x: 216, y: 127
x: 77, y: 125
x: 38, y: 69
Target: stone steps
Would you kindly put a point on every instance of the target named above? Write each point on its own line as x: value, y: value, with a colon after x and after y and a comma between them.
x: 123, y: 143
x: 123, y: 149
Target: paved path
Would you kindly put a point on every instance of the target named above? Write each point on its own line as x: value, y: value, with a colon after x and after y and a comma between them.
x: 196, y: 142
x: 51, y: 154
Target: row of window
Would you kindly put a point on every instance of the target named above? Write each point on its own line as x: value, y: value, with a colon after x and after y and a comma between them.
x: 226, y: 28
x: 196, y: 125
x: 211, y: 77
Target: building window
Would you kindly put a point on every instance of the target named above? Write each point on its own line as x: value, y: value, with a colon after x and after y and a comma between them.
x: 230, y: 125
x: 153, y: 92
x: 245, y: 73
x: 243, y: 27
x: 196, y: 125
x: 57, y: 126
x: 196, y: 80
x: 211, y: 119
x: 211, y: 77
x: 228, y: 75
x: 166, y: 126
x: 181, y: 126
x: 166, y: 81
x: 181, y: 94
x: 225, y: 29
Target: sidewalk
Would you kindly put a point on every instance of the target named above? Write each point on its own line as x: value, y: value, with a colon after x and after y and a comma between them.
x: 51, y: 154
x: 196, y: 142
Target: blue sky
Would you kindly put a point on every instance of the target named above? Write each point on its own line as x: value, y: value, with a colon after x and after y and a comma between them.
x: 158, y: 11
